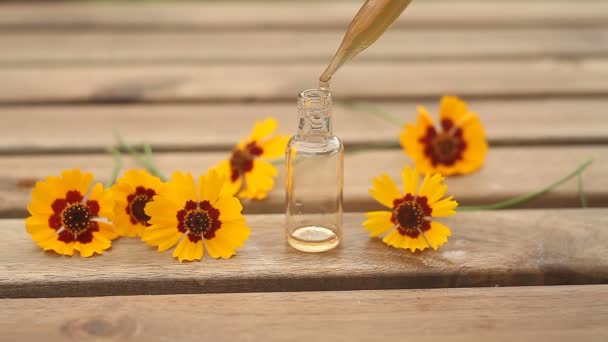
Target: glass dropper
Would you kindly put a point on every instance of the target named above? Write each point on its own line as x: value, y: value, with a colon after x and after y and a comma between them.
x: 372, y: 20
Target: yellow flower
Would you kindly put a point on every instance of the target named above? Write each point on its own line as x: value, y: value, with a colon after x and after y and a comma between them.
x: 409, y: 224
x: 249, y: 175
x: 131, y: 194
x: 63, y: 221
x: 209, y: 212
x: 459, y: 148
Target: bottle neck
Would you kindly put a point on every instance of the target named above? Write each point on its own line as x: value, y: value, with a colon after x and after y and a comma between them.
x: 314, y: 110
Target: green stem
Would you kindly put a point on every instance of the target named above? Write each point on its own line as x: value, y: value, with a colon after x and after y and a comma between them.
x: 146, y: 162
x: 521, y: 199
x: 116, y: 169
x: 375, y: 111
x: 373, y: 146
x: 277, y: 162
x: 581, y: 191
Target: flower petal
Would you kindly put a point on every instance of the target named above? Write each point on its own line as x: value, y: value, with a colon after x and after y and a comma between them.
x: 399, y: 240
x: 76, y: 180
x: 443, y: 208
x: 259, y: 181
x: 378, y: 222
x: 437, y: 235
x: 262, y: 129
x: 432, y: 187
x: 275, y: 147
x: 384, y: 190
x: 452, y: 108
x: 410, y: 180
x: 183, y: 188
x: 210, y: 185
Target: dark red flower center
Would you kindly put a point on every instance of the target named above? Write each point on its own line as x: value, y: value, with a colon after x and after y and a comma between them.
x: 137, y: 204
x: 445, y: 147
x: 409, y: 214
x: 199, y: 220
x: 241, y: 160
x: 76, y: 218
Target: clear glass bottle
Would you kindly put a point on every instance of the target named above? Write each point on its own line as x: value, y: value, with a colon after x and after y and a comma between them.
x: 315, y: 168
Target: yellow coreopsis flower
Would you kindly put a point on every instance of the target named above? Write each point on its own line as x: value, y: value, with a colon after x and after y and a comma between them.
x: 408, y: 224
x: 131, y: 194
x: 458, y: 148
x: 187, y: 215
x: 250, y: 176
x: 63, y: 221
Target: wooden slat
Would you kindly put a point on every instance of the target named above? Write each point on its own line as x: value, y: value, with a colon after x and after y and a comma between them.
x: 508, y: 172
x: 282, y: 82
x: 282, y: 47
x: 557, y: 313
x: 220, y: 126
x: 294, y: 15
x: 533, y: 247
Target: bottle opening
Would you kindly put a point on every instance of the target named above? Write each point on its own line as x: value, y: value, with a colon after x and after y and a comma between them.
x: 315, y: 100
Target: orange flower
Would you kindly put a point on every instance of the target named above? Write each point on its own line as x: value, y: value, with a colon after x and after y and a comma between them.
x: 409, y: 223
x: 131, y: 194
x: 250, y: 176
x: 192, y: 215
x: 458, y: 148
x: 63, y: 221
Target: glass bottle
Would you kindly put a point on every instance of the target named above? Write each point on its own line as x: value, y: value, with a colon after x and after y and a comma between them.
x: 315, y: 168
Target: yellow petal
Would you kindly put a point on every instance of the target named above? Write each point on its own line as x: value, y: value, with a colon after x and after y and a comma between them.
x: 452, y: 108
x: 432, y: 187
x: 410, y: 180
x: 275, y: 147
x: 230, y: 209
x: 437, y: 235
x: 188, y: 250
x: 259, y: 181
x: 210, y: 185
x: 182, y: 187
x: 384, y: 190
x: 168, y: 241
x: 398, y: 240
x: 179, y: 251
x: 443, y: 208
x: 76, y: 180
x: 262, y: 129
x: 378, y: 222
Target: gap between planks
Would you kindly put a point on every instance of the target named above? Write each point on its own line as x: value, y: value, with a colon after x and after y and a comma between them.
x: 241, y: 16
x: 213, y: 127
x: 508, y: 172
x: 252, y: 83
x: 558, y: 313
x: 500, y: 248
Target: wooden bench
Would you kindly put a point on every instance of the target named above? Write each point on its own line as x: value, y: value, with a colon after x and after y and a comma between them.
x: 191, y: 78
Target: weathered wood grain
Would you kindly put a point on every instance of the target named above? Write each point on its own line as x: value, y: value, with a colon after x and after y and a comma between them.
x: 508, y: 172
x: 245, y: 83
x: 72, y: 48
x: 524, y: 247
x: 197, y: 127
x: 314, y: 15
x: 558, y: 313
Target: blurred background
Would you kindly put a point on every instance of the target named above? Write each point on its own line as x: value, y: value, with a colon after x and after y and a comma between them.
x: 191, y: 77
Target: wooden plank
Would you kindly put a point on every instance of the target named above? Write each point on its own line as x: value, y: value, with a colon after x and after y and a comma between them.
x: 490, y: 314
x: 292, y: 15
x: 197, y: 127
x: 508, y: 172
x: 287, y: 47
x: 503, y: 248
x: 226, y: 82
